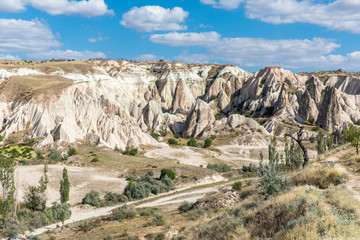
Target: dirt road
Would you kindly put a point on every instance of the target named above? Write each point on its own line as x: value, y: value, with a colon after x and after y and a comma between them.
x: 176, y: 196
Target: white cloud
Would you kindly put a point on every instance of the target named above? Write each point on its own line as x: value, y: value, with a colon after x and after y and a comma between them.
x: 155, y: 18
x: 148, y: 57
x: 9, y: 57
x: 67, y: 54
x: 25, y: 36
x: 224, y: 4
x: 98, y: 39
x: 88, y: 8
x: 186, y: 39
x: 255, y: 52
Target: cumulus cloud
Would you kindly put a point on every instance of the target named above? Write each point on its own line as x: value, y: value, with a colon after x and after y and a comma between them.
x: 155, y: 18
x: 67, y: 54
x: 9, y: 57
x: 255, y: 52
x: 88, y: 8
x: 224, y: 4
x: 340, y: 15
x: 186, y: 39
x: 25, y: 36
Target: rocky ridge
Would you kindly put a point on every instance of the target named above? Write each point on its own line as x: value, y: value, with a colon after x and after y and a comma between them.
x: 116, y: 103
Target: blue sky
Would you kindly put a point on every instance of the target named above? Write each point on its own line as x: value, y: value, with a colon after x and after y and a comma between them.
x: 298, y: 35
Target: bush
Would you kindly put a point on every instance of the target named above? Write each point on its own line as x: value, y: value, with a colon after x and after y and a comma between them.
x: 177, y: 135
x: 167, y: 172
x: 55, y: 155
x: 95, y: 159
x: 237, y: 186
x: 312, y: 139
x: 219, y: 167
x: 35, y: 199
x: 123, y: 212
x: 92, y: 198
x: 207, y: 143
x: 113, y: 198
x: 130, y: 151
x: 212, y: 137
x: 315, y: 129
x: 39, y: 154
x: 155, y: 135
x: 249, y: 168
x: 272, y: 181
x: 163, y: 131
x: 72, y: 151
x: 148, y: 212
x: 173, y: 141
x: 157, y: 220
x: 184, y: 207
x: 192, y: 142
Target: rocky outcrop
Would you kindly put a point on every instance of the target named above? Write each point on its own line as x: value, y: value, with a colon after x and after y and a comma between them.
x: 179, y: 99
x: 199, y: 121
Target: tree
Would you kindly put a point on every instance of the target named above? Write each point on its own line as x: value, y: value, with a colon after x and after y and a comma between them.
x: 65, y: 187
x: 7, y: 171
x: 352, y: 136
x: 298, y: 139
x: 35, y: 197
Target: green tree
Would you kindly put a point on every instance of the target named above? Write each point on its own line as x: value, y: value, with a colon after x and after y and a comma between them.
x: 352, y: 136
x: 7, y: 171
x: 65, y: 187
x: 207, y: 143
x: 34, y: 199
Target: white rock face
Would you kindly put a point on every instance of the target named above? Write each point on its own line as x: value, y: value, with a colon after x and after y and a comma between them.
x: 108, y: 103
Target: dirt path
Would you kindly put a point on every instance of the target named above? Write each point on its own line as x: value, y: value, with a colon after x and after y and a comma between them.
x: 172, y: 197
x: 354, y: 180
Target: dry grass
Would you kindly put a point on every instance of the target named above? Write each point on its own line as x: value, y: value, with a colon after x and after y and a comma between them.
x: 27, y: 87
x: 318, y: 175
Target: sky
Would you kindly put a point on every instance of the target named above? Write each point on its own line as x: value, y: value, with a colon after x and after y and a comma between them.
x: 307, y: 35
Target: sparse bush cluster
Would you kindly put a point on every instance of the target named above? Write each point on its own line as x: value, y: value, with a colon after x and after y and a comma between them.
x: 192, y: 142
x: 173, y: 141
x: 110, y: 198
x: 123, y: 212
x: 223, y: 167
x: 130, y: 151
x: 142, y: 187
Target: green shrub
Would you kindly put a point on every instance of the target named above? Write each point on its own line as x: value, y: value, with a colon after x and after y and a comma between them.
x: 173, y: 141
x: 317, y: 128
x: 155, y: 135
x: 207, y: 143
x: 95, y: 159
x: 55, y: 155
x: 130, y: 151
x: 184, y: 207
x: 113, y: 198
x: 192, y: 142
x: 237, y: 186
x: 72, y: 151
x: 249, y: 168
x: 92, y: 198
x: 213, y: 137
x: 123, y: 212
x: 163, y: 131
x: 167, y: 172
x: 148, y: 212
x: 272, y: 181
x: 219, y: 167
x: 177, y: 135
x: 312, y: 139
x: 157, y: 220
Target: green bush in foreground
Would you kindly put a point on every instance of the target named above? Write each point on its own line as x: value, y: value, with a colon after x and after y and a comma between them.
x: 72, y: 151
x: 207, y: 143
x: 130, y: 151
